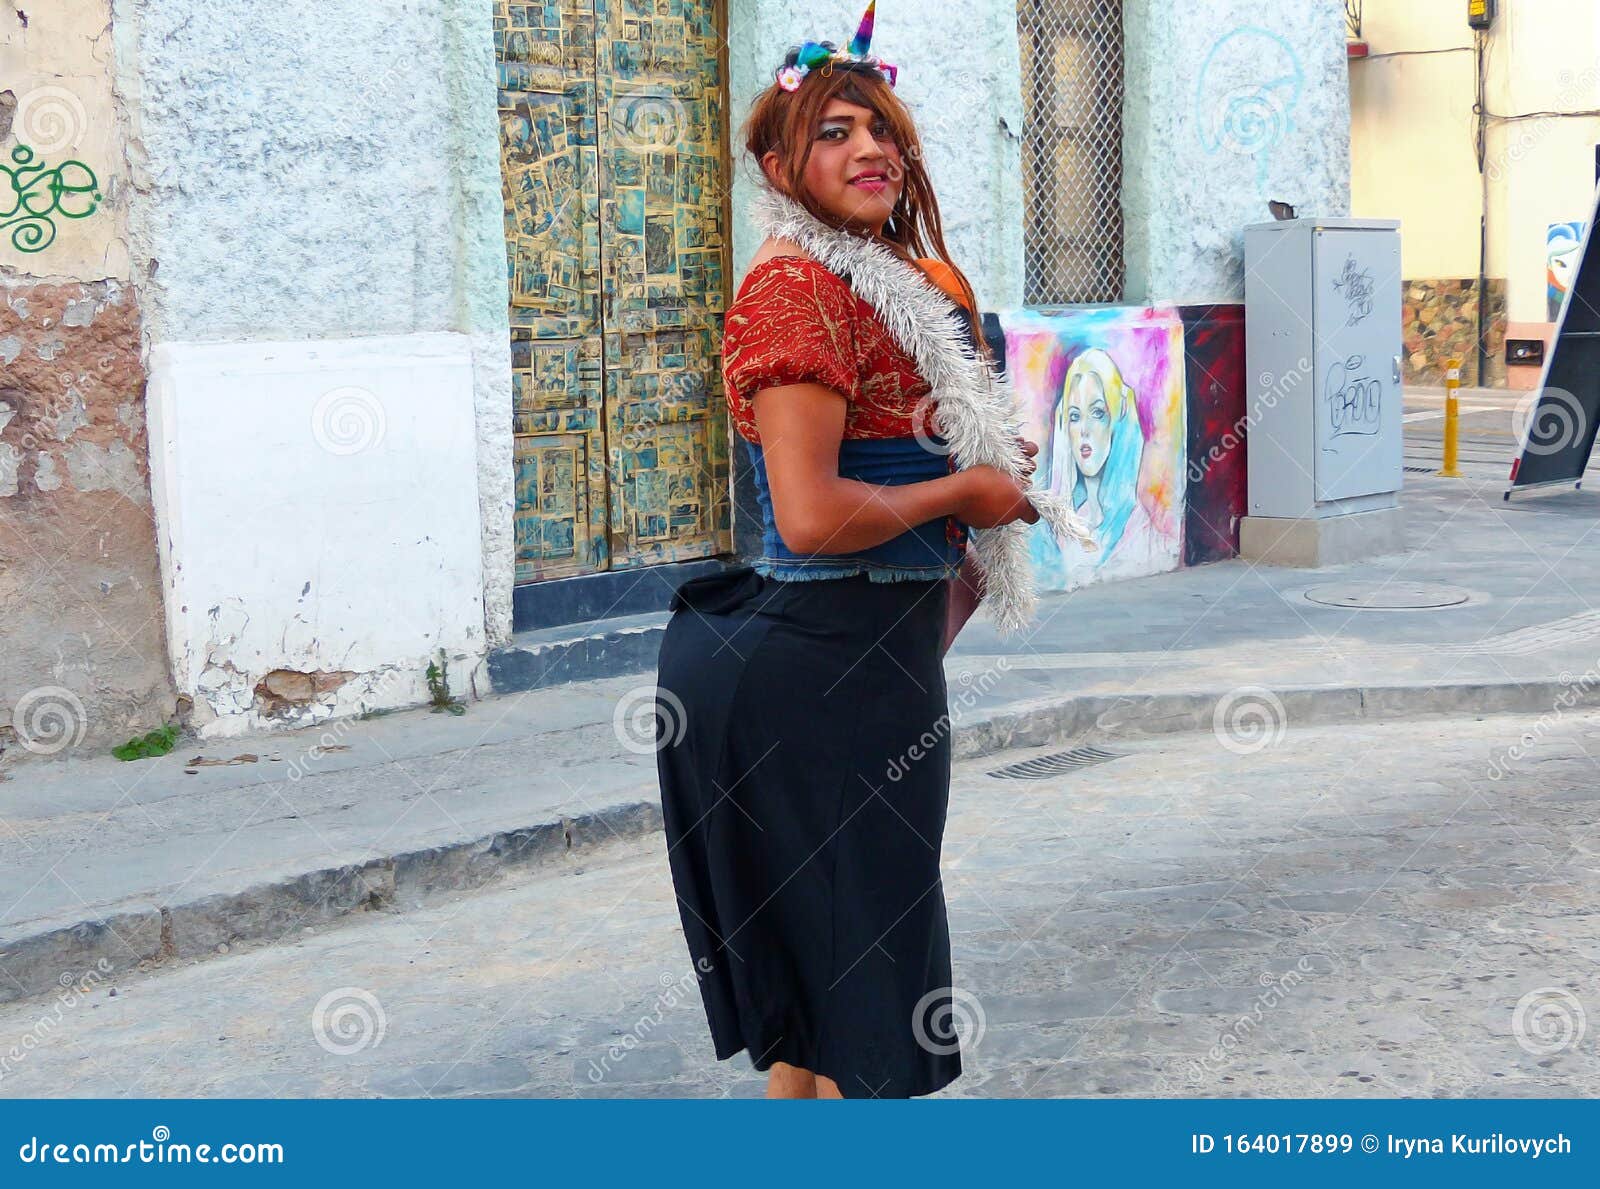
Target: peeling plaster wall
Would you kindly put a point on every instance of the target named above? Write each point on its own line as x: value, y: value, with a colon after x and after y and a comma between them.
x: 959, y: 74
x: 81, y: 652
x: 1228, y: 104
x: 317, y: 171
x: 82, y: 655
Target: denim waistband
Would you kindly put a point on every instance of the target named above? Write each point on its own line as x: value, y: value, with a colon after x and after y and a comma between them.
x: 923, y: 552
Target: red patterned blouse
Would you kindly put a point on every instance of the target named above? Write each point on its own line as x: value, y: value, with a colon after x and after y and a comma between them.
x: 795, y: 322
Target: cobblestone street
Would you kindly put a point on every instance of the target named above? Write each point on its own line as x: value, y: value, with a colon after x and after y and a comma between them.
x: 1338, y: 911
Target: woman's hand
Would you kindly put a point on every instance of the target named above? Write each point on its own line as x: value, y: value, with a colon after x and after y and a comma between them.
x: 1030, y: 449
x: 991, y: 497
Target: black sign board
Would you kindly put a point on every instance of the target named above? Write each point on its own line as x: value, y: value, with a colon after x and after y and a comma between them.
x: 1559, y: 435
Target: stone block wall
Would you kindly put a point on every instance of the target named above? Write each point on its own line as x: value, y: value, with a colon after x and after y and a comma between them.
x: 1440, y: 319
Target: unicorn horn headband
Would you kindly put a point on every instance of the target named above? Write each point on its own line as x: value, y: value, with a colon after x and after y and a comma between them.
x: 819, y: 53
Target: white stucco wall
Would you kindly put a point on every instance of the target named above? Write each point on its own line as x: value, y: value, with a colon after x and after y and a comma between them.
x: 958, y: 73
x: 381, y: 568
x: 1228, y: 104
x: 323, y: 170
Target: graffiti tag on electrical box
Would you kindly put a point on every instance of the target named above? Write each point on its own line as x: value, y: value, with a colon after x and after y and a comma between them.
x: 1353, y: 400
x: 1354, y: 284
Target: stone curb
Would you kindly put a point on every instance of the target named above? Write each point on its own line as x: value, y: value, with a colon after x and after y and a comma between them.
x: 43, y: 957
x: 1098, y: 717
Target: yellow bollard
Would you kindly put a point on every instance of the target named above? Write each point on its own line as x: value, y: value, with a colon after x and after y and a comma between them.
x: 1452, y: 418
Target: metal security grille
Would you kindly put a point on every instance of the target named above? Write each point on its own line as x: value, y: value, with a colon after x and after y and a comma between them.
x: 1072, y: 149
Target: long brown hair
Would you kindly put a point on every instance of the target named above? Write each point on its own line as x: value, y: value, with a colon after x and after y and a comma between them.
x: 785, y: 122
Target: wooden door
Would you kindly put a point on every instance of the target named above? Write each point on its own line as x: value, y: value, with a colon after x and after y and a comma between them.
x: 614, y: 155
x: 545, y: 57
x: 663, y: 155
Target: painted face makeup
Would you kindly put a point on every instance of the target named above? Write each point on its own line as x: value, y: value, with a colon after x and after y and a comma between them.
x: 1088, y: 424
x: 855, y: 171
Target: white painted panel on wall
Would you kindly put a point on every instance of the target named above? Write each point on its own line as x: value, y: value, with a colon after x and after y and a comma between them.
x: 317, y: 512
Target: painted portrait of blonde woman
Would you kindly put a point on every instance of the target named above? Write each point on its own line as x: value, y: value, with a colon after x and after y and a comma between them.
x: 1096, y: 447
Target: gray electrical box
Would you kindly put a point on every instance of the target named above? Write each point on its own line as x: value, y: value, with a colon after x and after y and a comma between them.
x: 1322, y: 350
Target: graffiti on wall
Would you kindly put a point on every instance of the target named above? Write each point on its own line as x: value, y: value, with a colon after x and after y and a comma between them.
x: 33, y: 195
x: 1562, y: 243
x: 1102, y: 392
x: 1249, y: 85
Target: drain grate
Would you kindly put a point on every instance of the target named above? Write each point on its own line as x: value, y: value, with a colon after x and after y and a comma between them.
x: 1419, y: 470
x: 1056, y: 764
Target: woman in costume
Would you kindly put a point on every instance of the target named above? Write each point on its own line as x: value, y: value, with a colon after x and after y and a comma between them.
x: 804, y: 809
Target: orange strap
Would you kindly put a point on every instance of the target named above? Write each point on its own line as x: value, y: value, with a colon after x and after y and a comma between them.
x: 942, y: 275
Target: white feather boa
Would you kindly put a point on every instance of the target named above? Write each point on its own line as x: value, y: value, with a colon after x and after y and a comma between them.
x: 974, y: 408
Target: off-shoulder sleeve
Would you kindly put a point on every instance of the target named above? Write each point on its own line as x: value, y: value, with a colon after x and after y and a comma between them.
x: 794, y: 323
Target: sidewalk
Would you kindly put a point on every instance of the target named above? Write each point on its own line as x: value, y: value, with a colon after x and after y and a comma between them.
x: 146, y: 862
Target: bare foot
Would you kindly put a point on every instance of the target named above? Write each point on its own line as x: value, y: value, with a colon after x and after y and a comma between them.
x: 790, y: 1081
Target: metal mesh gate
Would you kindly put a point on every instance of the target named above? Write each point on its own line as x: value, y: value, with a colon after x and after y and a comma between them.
x: 1072, y: 149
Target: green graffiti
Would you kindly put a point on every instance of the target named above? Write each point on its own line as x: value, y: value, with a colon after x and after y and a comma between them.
x: 39, y: 193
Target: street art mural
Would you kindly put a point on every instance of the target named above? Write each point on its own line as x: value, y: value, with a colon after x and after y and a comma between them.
x: 1102, y: 392
x: 1213, y: 349
x: 1562, y: 243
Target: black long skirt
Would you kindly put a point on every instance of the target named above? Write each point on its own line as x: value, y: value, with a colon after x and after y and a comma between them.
x: 803, y: 741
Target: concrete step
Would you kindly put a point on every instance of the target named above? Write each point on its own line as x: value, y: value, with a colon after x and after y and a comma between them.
x: 543, y: 657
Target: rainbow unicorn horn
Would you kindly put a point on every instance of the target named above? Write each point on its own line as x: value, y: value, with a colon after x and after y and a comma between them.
x: 863, y: 37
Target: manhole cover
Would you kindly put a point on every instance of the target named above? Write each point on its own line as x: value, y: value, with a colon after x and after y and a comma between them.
x: 1056, y: 764
x: 1389, y: 596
